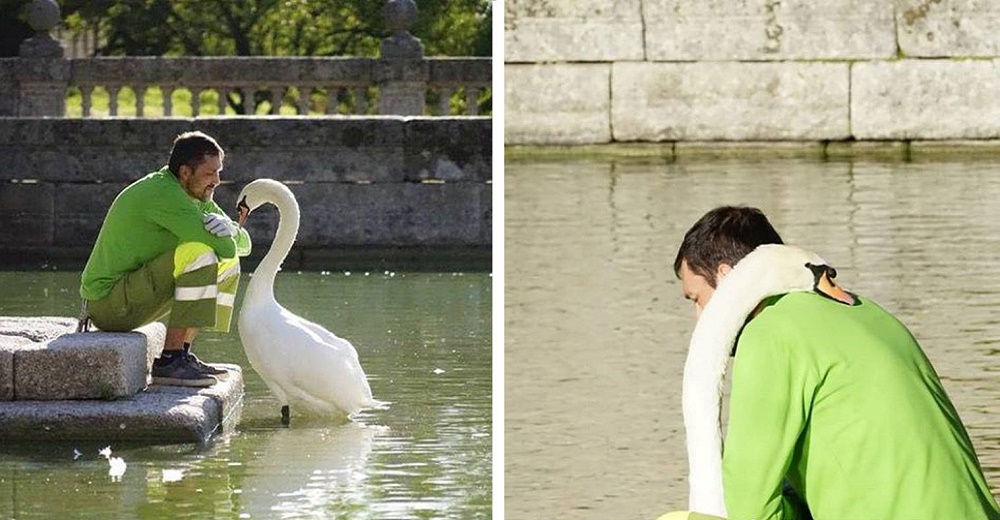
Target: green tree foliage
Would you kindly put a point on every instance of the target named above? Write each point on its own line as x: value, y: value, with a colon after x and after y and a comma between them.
x: 274, y: 27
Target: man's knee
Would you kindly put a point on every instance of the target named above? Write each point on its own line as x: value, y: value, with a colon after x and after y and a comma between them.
x: 192, y: 256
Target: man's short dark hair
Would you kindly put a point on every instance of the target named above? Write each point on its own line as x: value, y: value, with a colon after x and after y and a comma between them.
x: 191, y: 148
x: 723, y: 236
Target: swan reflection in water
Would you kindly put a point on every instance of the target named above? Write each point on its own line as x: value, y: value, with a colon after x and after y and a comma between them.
x: 286, y: 481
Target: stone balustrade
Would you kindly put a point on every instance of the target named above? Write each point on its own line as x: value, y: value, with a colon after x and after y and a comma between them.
x: 263, y: 85
x: 400, y: 82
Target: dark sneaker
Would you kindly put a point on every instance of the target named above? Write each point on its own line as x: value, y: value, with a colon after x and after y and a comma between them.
x: 180, y: 372
x: 205, y: 368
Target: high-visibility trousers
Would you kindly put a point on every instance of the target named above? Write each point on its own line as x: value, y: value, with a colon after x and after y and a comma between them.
x: 191, y: 284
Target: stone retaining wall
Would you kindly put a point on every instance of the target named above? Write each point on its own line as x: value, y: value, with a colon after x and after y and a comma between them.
x: 762, y: 70
x: 385, y: 185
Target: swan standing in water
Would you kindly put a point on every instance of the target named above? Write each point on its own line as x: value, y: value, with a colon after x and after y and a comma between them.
x: 302, y: 363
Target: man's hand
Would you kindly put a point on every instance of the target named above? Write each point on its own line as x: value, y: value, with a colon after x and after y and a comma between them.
x: 218, y: 225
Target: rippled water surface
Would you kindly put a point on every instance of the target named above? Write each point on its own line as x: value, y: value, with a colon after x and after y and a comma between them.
x: 423, y: 339
x: 596, y: 329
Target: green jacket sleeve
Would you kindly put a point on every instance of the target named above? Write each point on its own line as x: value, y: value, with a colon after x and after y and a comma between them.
x: 768, y: 408
x: 182, y: 217
x: 240, y: 235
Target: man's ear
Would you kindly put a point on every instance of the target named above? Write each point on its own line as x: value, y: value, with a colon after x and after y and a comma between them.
x: 184, y: 171
x: 722, y: 271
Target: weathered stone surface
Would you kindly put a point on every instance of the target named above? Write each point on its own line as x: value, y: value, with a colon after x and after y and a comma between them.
x: 768, y: 30
x: 26, y: 213
x: 93, y: 365
x: 156, y: 335
x: 918, y: 99
x: 391, y: 214
x: 8, y: 88
x: 572, y: 30
x: 38, y: 329
x: 73, y: 183
x: 73, y: 134
x: 460, y: 151
x: 80, y: 210
x: 729, y: 101
x: 557, y: 104
x: 956, y: 28
x: 253, y: 71
x: 9, y: 345
x: 159, y: 414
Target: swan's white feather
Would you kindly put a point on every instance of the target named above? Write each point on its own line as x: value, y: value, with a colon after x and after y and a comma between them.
x: 305, y: 365
x: 767, y: 271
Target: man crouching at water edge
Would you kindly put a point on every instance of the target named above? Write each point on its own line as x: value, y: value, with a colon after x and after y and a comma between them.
x: 834, y: 408
x: 166, y: 247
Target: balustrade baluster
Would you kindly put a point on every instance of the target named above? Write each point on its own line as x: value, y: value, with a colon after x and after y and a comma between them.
x: 332, y: 99
x: 168, y: 100
x: 223, y: 94
x: 360, y: 101
x: 113, y: 101
x: 277, y: 93
x: 195, y: 101
x: 248, y: 99
x: 472, y: 101
x: 304, y: 100
x: 86, y: 91
x: 140, y: 100
x: 444, y: 101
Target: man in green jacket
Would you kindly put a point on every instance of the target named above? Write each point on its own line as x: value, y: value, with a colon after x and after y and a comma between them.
x: 833, y: 402
x: 166, y: 247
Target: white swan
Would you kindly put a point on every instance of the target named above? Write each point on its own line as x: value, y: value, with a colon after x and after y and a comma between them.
x: 302, y: 363
x: 767, y: 271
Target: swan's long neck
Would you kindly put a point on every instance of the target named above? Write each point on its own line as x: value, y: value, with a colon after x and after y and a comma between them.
x: 768, y: 270
x: 262, y: 283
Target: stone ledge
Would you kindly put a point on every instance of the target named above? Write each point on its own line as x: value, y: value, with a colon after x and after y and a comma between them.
x: 162, y: 414
x: 42, y: 358
x: 756, y: 149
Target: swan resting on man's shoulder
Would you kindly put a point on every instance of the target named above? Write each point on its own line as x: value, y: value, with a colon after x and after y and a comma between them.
x: 305, y: 365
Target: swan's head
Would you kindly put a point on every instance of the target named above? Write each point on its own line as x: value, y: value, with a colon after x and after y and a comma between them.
x: 259, y: 192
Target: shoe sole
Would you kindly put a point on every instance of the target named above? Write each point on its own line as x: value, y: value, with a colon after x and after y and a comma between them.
x: 173, y: 381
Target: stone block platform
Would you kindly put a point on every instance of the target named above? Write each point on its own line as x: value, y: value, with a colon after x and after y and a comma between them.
x: 56, y: 384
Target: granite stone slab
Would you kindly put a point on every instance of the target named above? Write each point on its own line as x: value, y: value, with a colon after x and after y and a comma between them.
x: 160, y: 414
x: 953, y: 28
x: 557, y: 104
x: 926, y: 99
x: 43, y: 358
x: 723, y: 30
x: 730, y: 101
x: 572, y: 30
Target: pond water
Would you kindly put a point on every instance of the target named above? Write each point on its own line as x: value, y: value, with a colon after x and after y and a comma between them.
x: 597, y: 331
x: 424, y: 340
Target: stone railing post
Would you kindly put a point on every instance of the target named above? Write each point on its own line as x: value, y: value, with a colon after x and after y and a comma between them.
x: 42, y: 73
x: 402, y: 71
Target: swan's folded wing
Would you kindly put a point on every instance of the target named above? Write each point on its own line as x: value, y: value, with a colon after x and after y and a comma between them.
x: 322, y: 334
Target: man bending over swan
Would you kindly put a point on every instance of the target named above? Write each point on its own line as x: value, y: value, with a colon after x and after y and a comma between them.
x: 166, y: 246
x: 831, y: 395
